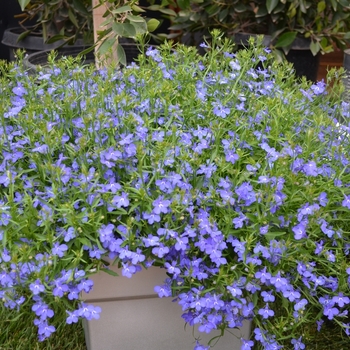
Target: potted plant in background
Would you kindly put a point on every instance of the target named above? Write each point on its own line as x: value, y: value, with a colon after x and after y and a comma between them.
x: 79, y: 23
x: 233, y: 184
x: 57, y: 23
x: 301, y: 29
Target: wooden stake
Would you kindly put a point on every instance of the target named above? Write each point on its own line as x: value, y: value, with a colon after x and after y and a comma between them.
x: 98, y: 20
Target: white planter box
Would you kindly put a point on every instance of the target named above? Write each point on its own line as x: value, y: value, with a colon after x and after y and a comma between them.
x: 134, y: 318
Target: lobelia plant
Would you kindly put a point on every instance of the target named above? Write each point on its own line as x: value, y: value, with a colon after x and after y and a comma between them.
x: 222, y: 169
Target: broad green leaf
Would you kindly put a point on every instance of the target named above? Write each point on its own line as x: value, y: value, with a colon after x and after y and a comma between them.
x: 321, y: 6
x: 80, y: 7
x: 315, y: 47
x: 334, y: 4
x: 271, y: 4
x: 106, y: 46
x: 183, y: 3
x: 23, y: 3
x: 242, y: 8
x: 106, y: 22
x: 129, y: 30
x: 212, y: 10
x: 153, y: 7
x: 121, y: 55
x: 168, y: 12
x: 347, y: 35
x: 141, y: 27
x: 286, y: 39
x: 124, y: 29
x: 118, y: 29
x: 122, y: 9
x: 133, y: 18
x: 152, y: 25
x: 222, y: 15
x: 85, y: 241
x: 302, y: 6
x: 262, y: 11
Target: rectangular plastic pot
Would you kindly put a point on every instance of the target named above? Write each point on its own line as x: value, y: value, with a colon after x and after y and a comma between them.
x: 133, y: 317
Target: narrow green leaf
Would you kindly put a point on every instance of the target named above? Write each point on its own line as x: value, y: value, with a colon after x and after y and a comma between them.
x: 169, y: 12
x: 133, y: 18
x: 106, y: 22
x: 137, y: 8
x: 55, y: 38
x: 86, y: 51
x: 272, y: 235
x: 153, y: 7
x: 122, y: 9
x: 110, y: 272
x: 271, y: 4
x: 23, y: 4
x: 121, y: 55
x: 286, y: 39
x: 23, y: 35
x: 72, y: 18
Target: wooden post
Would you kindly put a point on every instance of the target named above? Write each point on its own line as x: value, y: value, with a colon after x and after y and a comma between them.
x: 98, y: 20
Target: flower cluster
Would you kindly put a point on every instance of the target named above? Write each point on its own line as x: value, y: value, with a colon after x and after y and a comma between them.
x: 222, y: 169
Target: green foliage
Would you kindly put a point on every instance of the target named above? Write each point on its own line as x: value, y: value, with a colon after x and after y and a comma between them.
x: 18, y: 332
x: 223, y: 166
x: 324, y: 23
x: 65, y: 20
x: 72, y: 19
x: 123, y: 19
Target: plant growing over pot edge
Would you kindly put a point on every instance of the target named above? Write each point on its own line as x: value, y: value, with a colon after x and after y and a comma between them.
x: 324, y: 23
x: 58, y: 20
x: 69, y: 21
x: 232, y: 177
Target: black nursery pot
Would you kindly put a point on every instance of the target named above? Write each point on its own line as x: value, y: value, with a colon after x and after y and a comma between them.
x: 36, y: 59
x: 31, y: 43
x: 300, y: 55
x: 305, y: 63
